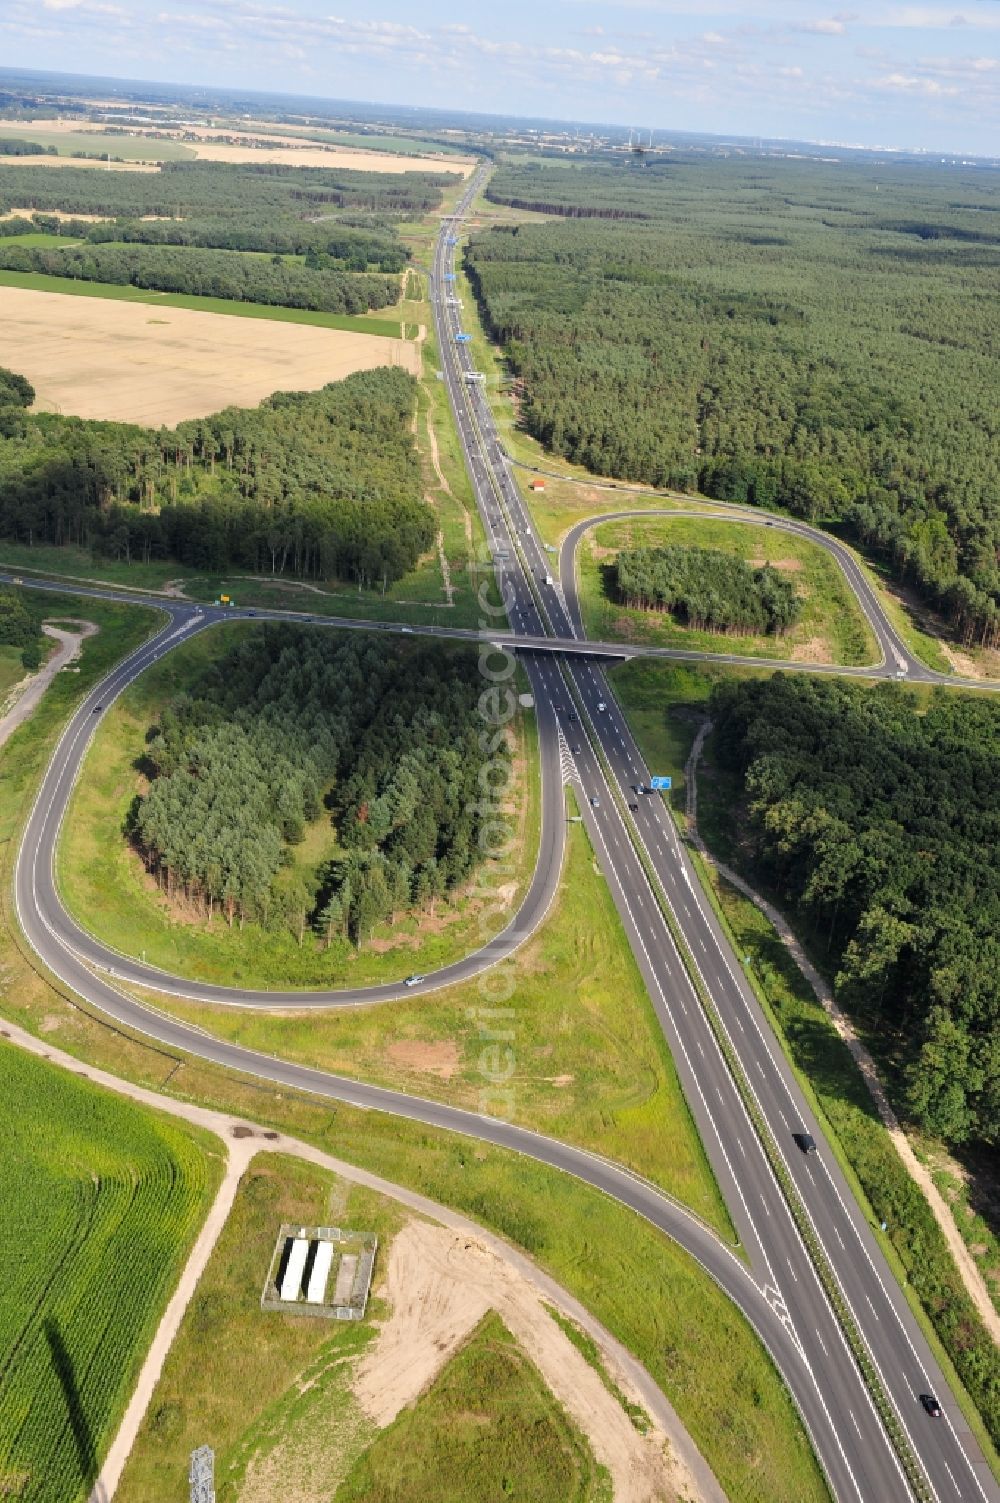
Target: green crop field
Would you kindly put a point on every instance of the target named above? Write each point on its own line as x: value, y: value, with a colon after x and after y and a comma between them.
x: 101, y: 1201
x: 487, y: 1429
x: 97, y: 143
x: 831, y: 628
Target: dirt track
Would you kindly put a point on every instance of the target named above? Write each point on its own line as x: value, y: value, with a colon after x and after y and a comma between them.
x: 25, y: 696
x: 440, y: 1284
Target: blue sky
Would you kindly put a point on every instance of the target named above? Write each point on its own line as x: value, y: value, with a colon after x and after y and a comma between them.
x: 881, y: 72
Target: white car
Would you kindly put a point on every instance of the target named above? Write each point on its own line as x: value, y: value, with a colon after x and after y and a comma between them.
x: 601, y: 705
x: 413, y: 980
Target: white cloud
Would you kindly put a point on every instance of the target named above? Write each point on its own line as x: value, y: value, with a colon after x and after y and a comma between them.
x: 910, y: 83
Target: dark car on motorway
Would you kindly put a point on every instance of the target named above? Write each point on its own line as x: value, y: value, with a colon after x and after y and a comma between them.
x: 931, y: 1404
x: 806, y: 1141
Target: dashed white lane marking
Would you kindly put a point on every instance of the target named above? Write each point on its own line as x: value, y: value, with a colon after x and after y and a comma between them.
x: 856, y: 1425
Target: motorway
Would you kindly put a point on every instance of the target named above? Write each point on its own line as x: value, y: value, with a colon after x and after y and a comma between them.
x: 777, y: 1288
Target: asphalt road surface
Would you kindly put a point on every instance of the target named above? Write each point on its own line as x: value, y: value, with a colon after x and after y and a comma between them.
x: 582, y: 732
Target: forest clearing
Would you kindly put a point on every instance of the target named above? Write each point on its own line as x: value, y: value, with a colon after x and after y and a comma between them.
x: 131, y: 362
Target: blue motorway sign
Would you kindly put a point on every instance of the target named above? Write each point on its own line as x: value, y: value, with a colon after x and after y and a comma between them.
x: 655, y: 783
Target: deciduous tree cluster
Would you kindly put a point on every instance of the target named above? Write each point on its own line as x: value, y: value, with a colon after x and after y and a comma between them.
x: 881, y: 826
x: 236, y: 275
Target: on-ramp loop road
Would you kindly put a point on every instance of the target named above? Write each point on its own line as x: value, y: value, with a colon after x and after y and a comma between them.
x: 778, y: 1289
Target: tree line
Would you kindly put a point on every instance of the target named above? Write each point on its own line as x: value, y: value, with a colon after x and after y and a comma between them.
x: 290, y: 727
x: 707, y: 588
x: 13, y: 146
x: 879, y: 826
x: 20, y: 626
x: 247, y: 193
x: 209, y: 273
x: 816, y: 337
x: 322, y: 245
x: 321, y: 485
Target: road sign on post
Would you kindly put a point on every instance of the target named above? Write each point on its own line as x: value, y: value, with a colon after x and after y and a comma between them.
x: 664, y: 783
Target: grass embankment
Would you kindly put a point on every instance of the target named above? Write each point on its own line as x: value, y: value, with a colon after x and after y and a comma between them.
x: 587, y: 1063
x: 276, y: 1396
x: 486, y: 1430
x: 913, y: 1242
x: 831, y: 628
x: 646, y: 1291
x: 102, y: 1201
x: 105, y: 885
x: 37, y: 281
x: 12, y: 670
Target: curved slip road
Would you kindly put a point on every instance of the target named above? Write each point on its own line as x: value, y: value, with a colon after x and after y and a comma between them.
x: 894, y: 655
x: 780, y: 1293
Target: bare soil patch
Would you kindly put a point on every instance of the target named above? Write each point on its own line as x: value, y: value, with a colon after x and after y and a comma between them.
x: 99, y: 358
x: 439, y: 1058
x: 816, y: 650
x: 51, y: 213
x: 440, y: 1284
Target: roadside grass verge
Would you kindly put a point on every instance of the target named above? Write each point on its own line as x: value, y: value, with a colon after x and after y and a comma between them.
x: 835, y: 1088
x: 927, y: 635
x: 487, y: 1429
x: 563, y: 503
x: 275, y: 1396
x: 831, y: 629
x: 586, y: 1056
x: 966, y: 1187
x: 105, y: 885
x: 588, y: 1349
x: 104, y: 1199
x: 12, y: 670
x: 37, y: 281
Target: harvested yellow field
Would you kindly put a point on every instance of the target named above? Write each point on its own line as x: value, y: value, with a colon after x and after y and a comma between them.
x: 293, y: 151
x: 139, y: 363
